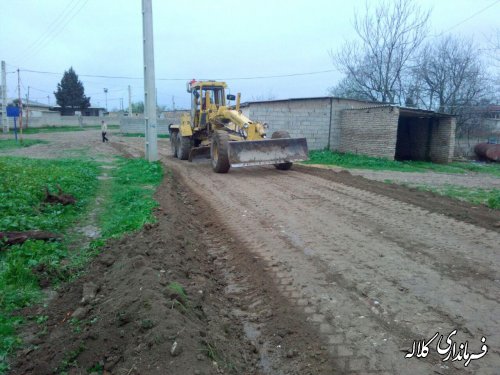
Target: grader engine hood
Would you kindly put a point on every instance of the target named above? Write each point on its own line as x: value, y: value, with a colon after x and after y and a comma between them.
x: 267, y: 151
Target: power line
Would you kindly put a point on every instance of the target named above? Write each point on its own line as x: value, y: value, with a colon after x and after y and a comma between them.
x: 37, y: 89
x: 188, y: 79
x: 50, y: 29
x: 467, y: 19
x: 42, y: 45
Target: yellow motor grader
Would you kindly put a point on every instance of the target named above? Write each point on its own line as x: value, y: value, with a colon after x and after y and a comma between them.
x: 232, y: 138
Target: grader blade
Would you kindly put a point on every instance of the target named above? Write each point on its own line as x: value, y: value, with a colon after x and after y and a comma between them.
x: 267, y: 151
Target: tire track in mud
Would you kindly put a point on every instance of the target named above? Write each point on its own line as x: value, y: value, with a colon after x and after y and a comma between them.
x: 361, y: 265
x: 284, y: 272
x: 278, y: 338
x: 443, y: 315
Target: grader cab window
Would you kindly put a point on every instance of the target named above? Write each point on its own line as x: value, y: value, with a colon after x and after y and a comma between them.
x: 216, y: 95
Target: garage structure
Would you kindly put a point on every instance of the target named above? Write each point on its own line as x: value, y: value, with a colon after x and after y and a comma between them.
x: 423, y: 135
x: 398, y: 133
x: 361, y: 127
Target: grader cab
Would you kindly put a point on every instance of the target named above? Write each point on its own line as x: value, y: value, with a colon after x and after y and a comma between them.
x: 232, y: 139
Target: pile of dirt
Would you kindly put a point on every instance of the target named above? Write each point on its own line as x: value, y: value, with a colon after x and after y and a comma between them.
x: 141, y: 309
x: 479, y: 215
x: 157, y: 302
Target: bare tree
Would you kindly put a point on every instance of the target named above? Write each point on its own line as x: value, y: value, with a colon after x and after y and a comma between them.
x: 453, y: 80
x: 493, y: 54
x: 452, y: 74
x: 376, y: 63
x: 260, y: 98
x: 493, y: 49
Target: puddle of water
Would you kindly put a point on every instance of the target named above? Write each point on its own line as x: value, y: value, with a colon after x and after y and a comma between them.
x: 297, y: 242
x: 251, y: 330
x: 90, y: 231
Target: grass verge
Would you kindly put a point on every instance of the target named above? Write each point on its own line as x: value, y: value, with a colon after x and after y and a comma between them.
x: 347, y: 160
x: 7, y: 144
x: 23, y: 266
x: 127, y: 205
x: 130, y: 204
x: 141, y: 135
x: 487, y: 197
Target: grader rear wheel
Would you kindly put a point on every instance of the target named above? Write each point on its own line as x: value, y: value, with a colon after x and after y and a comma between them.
x: 173, y: 143
x: 219, y: 152
x: 282, y: 134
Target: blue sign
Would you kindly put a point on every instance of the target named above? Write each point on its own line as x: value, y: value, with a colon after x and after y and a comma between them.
x: 12, y: 111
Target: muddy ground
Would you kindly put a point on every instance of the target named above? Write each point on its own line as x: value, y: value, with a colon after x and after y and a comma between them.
x: 469, y: 179
x: 297, y: 272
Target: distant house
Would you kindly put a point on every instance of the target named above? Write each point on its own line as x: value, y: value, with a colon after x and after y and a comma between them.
x: 90, y: 111
x: 491, y: 118
x: 36, y: 109
x: 33, y: 109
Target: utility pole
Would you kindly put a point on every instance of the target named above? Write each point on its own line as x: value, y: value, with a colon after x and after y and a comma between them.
x: 20, y: 104
x: 48, y: 100
x: 5, y: 125
x: 129, y: 100
x: 173, y: 103
x: 150, y: 118
x: 121, y: 104
x: 106, y: 94
x: 27, y: 106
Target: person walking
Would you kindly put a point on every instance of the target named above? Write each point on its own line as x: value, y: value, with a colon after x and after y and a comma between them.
x: 104, y: 130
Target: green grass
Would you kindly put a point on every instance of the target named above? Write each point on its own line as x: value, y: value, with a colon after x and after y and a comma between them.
x: 347, y: 160
x: 477, y: 196
x: 21, y: 193
x: 176, y: 288
x: 7, y: 144
x: 65, y: 128
x: 141, y: 135
x: 131, y: 203
x: 127, y: 205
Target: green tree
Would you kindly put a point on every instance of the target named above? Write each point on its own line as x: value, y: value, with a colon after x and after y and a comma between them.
x: 70, y: 92
x: 138, y: 107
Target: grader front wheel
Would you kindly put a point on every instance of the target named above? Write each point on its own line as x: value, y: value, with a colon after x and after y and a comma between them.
x: 219, y: 152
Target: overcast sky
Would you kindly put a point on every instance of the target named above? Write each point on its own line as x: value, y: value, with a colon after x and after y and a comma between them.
x: 197, y: 39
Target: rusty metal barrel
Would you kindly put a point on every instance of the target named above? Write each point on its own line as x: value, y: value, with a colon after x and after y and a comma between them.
x: 488, y: 151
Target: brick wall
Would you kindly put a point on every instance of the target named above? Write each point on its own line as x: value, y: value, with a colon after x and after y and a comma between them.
x: 370, y: 131
x: 57, y: 120
x: 315, y: 118
x: 442, y: 140
x: 136, y: 124
x: 301, y: 118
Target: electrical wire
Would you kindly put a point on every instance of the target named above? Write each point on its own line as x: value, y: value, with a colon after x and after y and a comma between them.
x: 466, y: 19
x: 50, y: 29
x: 37, y: 89
x: 188, y: 79
x: 41, y: 46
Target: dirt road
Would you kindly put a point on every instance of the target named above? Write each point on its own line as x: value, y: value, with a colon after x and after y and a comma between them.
x: 370, y: 272
x: 316, y: 261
